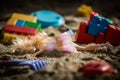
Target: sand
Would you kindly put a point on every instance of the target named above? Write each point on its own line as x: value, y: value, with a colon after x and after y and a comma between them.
x: 63, y: 65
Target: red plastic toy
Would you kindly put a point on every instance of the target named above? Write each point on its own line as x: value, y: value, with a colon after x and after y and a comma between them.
x: 100, y: 38
x: 97, y: 68
x: 82, y: 35
x: 91, y: 16
x: 113, y: 35
x: 20, y: 30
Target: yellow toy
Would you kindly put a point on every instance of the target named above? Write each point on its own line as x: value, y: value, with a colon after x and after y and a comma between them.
x: 84, y: 10
x: 8, y: 38
x: 24, y: 17
x: 22, y: 26
x: 11, y: 21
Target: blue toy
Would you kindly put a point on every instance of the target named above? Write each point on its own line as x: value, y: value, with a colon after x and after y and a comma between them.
x: 20, y: 23
x: 93, y: 28
x: 70, y: 31
x: 48, y: 18
x: 97, y: 25
x: 33, y: 64
x: 103, y: 25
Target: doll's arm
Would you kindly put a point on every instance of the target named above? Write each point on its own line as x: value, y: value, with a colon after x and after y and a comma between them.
x: 38, y: 52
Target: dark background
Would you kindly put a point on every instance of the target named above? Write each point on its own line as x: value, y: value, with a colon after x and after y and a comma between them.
x: 108, y: 8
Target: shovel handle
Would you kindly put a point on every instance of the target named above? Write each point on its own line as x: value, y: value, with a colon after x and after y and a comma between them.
x: 5, y: 63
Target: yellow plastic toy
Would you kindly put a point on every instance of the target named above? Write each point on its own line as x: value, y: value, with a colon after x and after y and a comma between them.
x: 19, y: 16
x: 84, y: 10
x: 7, y: 37
x: 11, y: 21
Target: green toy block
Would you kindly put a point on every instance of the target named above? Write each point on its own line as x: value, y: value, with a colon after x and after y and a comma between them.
x: 110, y: 21
x: 33, y: 25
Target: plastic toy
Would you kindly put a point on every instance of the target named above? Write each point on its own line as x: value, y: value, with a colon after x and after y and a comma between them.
x: 98, y: 30
x: 20, y: 23
x: 100, y: 38
x: 97, y: 68
x: 113, y: 34
x: 48, y: 18
x: 23, y: 23
x: 82, y: 35
x: 8, y: 38
x: 97, y: 25
x: 12, y: 32
x: 24, y: 20
x: 11, y: 21
x: 20, y: 30
x: 25, y: 17
x: 33, y: 64
x: 91, y: 16
x: 33, y: 25
x: 70, y: 31
x: 84, y: 10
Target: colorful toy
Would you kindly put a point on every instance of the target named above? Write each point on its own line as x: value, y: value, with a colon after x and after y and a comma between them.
x: 24, y: 20
x: 23, y: 23
x: 29, y: 27
x: 99, y: 30
x: 12, y: 32
x: 91, y: 16
x: 97, y: 68
x: 48, y: 18
x: 33, y: 64
x: 84, y: 10
x: 97, y: 25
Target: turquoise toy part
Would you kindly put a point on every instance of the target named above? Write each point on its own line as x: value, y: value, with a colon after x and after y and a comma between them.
x: 70, y: 31
x: 48, y: 18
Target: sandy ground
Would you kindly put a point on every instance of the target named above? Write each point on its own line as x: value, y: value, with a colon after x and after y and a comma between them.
x: 63, y: 65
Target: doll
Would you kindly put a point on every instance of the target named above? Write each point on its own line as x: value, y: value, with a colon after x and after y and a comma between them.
x: 62, y: 42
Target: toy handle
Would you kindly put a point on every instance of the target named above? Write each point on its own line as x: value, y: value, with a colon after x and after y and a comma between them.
x: 16, y: 62
x: 5, y: 63
x: 10, y: 63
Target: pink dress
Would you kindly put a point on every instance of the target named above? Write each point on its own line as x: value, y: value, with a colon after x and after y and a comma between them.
x: 63, y: 43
